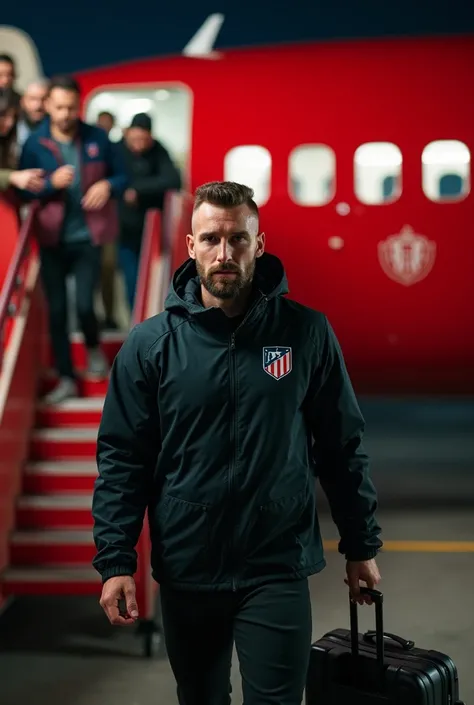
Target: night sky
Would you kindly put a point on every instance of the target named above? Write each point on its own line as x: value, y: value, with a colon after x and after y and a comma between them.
x: 88, y: 34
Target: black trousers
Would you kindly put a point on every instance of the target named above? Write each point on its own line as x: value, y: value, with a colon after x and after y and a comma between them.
x: 83, y: 261
x: 271, y: 626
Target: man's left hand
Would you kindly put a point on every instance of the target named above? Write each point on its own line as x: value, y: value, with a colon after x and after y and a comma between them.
x: 97, y: 196
x: 365, y: 571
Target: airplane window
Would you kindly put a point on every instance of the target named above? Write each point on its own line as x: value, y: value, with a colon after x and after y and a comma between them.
x: 168, y: 106
x: 446, y: 168
x: 250, y: 165
x: 312, y: 169
x: 378, y: 173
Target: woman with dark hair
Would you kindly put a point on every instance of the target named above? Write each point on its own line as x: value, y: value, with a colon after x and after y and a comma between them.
x: 29, y: 179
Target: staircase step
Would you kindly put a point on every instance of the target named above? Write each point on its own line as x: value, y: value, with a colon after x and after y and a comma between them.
x: 73, y: 413
x: 55, y: 477
x: 110, y: 342
x: 63, y: 443
x: 88, y: 385
x: 56, y: 547
x: 50, y: 580
x: 57, y: 511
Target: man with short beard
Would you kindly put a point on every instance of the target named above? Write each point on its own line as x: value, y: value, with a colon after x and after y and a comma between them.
x: 32, y: 109
x: 77, y: 215
x: 220, y: 414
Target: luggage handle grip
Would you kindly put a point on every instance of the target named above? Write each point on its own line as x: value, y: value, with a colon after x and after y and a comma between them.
x: 406, y: 644
x: 377, y: 598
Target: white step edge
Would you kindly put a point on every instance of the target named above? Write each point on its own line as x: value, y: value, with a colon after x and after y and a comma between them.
x: 48, y: 574
x: 106, y: 336
x: 66, y: 468
x: 78, y: 404
x: 49, y: 537
x: 55, y: 501
x: 51, y: 374
x: 65, y: 435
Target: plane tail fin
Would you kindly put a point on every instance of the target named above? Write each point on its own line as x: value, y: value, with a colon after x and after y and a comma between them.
x: 201, y: 44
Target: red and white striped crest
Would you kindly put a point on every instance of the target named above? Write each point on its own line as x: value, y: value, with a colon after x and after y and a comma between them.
x: 277, y: 361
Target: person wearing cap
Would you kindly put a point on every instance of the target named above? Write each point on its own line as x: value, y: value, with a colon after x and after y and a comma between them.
x: 151, y: 172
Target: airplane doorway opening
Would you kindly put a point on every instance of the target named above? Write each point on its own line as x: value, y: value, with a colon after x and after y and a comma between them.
x: 170, y: 109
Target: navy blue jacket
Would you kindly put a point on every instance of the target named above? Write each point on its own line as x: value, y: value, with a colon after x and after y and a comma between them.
x: 99, y: 160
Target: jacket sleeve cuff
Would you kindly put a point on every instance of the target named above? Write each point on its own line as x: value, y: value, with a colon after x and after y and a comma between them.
x: 364, y: 554
x: 115, y: 571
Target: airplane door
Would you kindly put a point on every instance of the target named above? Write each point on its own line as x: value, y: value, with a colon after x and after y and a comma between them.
x: 169, y: 106
x: 170, y: 109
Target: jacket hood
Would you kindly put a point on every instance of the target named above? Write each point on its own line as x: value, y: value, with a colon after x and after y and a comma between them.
x: 184, y: 291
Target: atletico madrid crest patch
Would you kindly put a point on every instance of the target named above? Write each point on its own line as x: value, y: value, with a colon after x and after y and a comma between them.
x: 92, y: 150
x: 277, y: 361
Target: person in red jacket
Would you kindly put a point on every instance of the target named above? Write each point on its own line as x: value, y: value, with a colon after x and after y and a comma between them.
x: 76, y: 217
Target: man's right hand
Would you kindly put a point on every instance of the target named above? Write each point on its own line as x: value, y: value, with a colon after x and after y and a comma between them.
x: 63, y: 177
x: 121, y: 587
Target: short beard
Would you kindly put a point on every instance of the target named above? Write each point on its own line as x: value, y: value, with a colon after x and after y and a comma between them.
x: 226, y: 289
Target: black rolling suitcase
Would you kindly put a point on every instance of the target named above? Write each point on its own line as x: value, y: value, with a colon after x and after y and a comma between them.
x: 347, y: 668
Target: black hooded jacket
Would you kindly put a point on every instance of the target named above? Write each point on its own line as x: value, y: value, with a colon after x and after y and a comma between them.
x: 152, y: 174
x: 220, y: 429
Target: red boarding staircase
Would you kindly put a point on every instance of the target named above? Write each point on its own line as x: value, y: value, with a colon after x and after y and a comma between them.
x: 51, y: 548
x: 46, y: 544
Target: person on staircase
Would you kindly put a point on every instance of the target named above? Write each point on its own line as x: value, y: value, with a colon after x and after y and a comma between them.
x: 76, y: 216
x: 8, y: 75
x: 31, y: 109
x: 152, y: 173
x: 106, y: 121
x: 10, y: 176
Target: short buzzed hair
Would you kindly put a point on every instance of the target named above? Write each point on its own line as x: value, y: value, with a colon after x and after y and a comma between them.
x: 105, y: 113
x: 226, y: 194
x: 66, y: 83
x: 41, y: 82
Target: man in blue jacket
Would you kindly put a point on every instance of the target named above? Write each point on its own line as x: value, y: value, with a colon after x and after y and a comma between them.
x: 77, y: 214
x: 220, y: 414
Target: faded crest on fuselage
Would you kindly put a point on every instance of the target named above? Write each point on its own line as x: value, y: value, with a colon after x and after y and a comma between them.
x: 407, y: 258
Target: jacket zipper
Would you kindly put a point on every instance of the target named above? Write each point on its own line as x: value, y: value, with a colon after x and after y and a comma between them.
x: 233, y: 425
x: 233, y: 439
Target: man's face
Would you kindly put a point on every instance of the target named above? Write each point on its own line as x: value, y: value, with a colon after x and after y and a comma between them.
x: 138, y: 140
x: 63, y: 108
x: 225, y: 244
x: 7, y: 74
x: 32, y: 102
x: 106, y: 122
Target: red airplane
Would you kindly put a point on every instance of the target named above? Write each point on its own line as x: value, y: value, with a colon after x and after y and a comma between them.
x: 360, y: 156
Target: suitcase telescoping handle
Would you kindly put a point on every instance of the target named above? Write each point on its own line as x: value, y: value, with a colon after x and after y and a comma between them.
x: 377, y: 598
